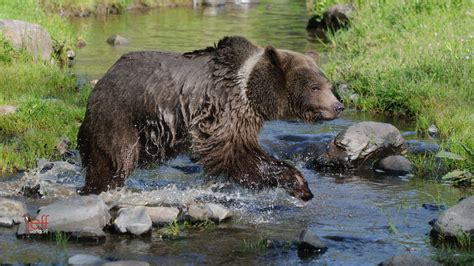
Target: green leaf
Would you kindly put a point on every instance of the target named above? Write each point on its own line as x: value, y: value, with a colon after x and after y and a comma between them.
x: 449, y: 155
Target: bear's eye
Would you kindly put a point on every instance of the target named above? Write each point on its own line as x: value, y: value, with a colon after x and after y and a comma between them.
x: 315, y: 88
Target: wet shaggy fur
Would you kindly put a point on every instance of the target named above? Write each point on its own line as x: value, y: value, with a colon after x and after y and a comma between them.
x: 150, y: 106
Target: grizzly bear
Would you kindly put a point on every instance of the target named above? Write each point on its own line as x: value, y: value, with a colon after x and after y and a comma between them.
x: 152, y: 105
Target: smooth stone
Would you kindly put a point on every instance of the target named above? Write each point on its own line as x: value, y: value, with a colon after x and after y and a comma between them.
x: 134, y: 220
x: 219, y: 212
x: 117, y: 40
x: 359, y: 145
x: 12, y: 209
x: 457, y: 219
x: 310, y: 241
x: 32, y: 37
x: 84, y: 216
x: 199, y: 212
x: 126, y: 263
x: 160, y: 215
x: 408, y: 259
x: 8, y: 109
x: 84, y: 259
x: 395, y: 164
x: 6, y: 222
x: 420, y: 147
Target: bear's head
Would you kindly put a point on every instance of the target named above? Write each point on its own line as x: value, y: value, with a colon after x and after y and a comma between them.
x: 294, y: 87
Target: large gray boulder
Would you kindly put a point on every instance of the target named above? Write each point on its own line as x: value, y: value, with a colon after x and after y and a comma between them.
x: 457, y: 220
x: 82, y: 216
x: 408, y: 259
x: 360, y: 145
x: 32, y: 37
x: 134, y: 220
x: 11, y: 211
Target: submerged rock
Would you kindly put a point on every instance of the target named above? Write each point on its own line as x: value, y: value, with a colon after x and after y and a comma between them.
x: 82, y: 216
x: 11, y: 210
x: 408, y: 260
x: 395, y: 164
x: 134, y: 220
x: 116, y: 40
x: 160, y: 215
x: 310, y: 241
x: 457, y: 220
x: 359, y: 145
x: 84, y: 259
x: 32, y: 37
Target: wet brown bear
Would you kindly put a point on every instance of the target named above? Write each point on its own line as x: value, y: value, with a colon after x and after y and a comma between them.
x: 152, y: 105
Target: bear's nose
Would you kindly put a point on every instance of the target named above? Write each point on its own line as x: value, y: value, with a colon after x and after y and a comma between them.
x: 338, y: 107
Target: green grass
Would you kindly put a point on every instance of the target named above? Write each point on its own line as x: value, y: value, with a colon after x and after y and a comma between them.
x: 412, y: 59
x: 50, y: 106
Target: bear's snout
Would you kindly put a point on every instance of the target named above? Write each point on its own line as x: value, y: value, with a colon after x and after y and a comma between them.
x: 338, y: 107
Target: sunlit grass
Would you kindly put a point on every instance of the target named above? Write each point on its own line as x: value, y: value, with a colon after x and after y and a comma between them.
x: 414, y: 60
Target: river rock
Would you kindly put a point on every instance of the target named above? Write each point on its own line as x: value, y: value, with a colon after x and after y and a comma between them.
x: 408, y: 260
x: 219, y: 212
x: 421, y: 147
x: 210, y: 211
x: 334, y: 18
x: 116, y: 40
x: 458, y: 219
x: 199, y: 212
x: 395, y: 164
x: 126, y: 263
x: 11, y: 211
x: 83, y: 216
x: 134, y: 220
x: 359, y: 145
x: 32, y: 37
x: 84, y: 259
x: 8, y: 109
x: 310, y: 241
x: 159, y: 215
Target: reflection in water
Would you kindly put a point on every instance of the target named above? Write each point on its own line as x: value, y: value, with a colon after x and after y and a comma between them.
x: 185, y: 29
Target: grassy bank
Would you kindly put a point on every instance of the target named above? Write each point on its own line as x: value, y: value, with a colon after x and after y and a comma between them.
x: 413, y: 59
x: 50, y: 106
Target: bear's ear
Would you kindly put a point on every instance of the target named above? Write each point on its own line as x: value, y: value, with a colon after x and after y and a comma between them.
x: 272, y: 54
